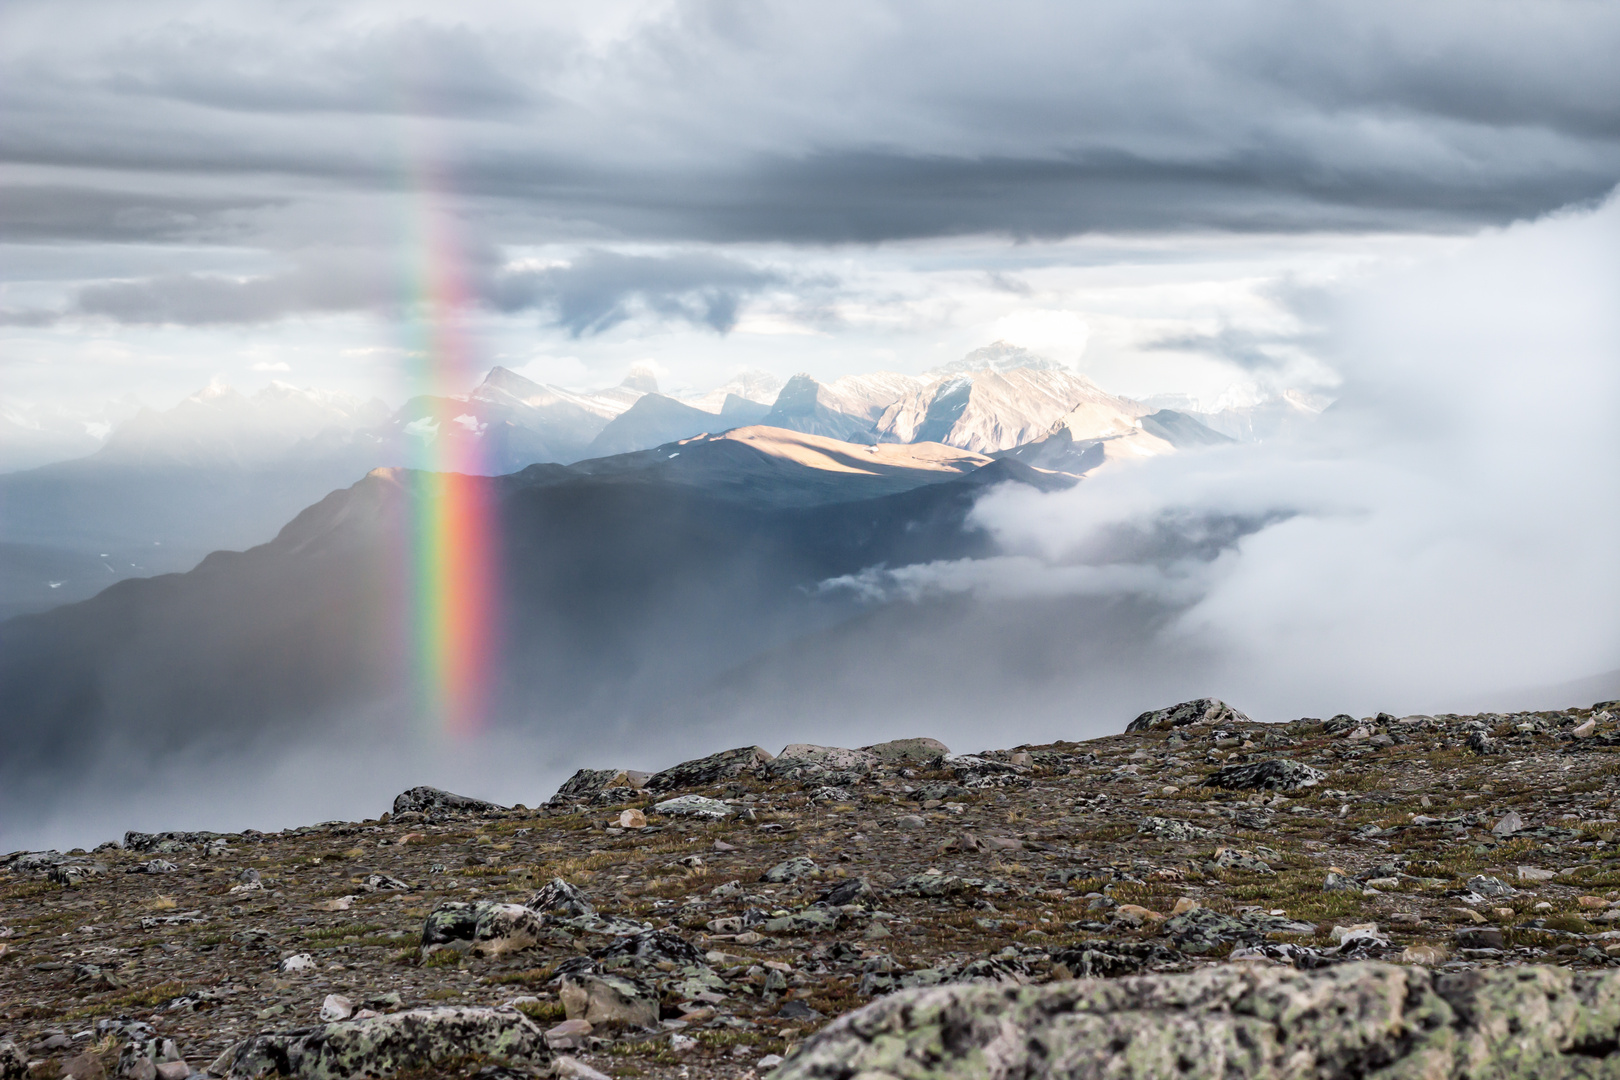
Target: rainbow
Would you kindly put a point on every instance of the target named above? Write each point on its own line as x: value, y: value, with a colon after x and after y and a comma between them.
x: 453, y: 555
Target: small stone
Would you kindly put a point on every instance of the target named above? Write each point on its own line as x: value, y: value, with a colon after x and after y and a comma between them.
x: 791, y: 870
x: 1426, y: 955
x: 1535, y: 873
x: 571, y: 1068
x: 1585, y: 730
x: 1338, y: 881
x: 632, y: 819
x: 1591, y: 902
x: 1481, y: 937
x: 568, y: 1035
x: 1511, y: 823
x: 173, y: 1070
x: 336, y: 1007
x: 84, y: 1066
x: 1136, y: 915
x: 1488, y: 886
x: 1468, y: 915
x: 910, y: 821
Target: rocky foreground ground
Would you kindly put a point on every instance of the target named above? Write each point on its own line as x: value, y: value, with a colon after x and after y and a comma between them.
x: 1198, y: 896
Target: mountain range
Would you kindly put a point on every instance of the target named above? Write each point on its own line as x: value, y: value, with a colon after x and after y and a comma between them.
x: 224, y: 470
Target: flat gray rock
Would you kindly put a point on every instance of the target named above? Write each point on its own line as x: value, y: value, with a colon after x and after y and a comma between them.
x: 703, y: 771
x: 1277, y: 774
x: 381, y: 1045
x: 915, y: 751
x: 1235, y: 1022
x: 427, y: 800
x: 1198, y: 711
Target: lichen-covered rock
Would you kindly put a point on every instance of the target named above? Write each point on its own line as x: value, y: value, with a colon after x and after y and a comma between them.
x: 559, y: 898
x: 382, y: 1045
x: 1238, y: 1022
x: 703, y: 771
x: 791, y: 870
x: 430, y: 800
x: 697, y: 806
x: 141, y: 1057
x: 1199, y: 711
x: 848, y: 891
x: 908, y: 751
x: 796, y: 756
x: 1201, y: 931
x: 1277, y: 774
x: 931, y: 886
x: 815, y: 919
x: 1172, y: 830
x: 483, y: 927
x: 608, y: 999
x: 599, y: 786
x: 649, y: 948
x: 13, y: 1064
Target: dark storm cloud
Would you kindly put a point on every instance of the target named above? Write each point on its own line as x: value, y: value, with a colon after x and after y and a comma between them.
x: 33, y: 213
x: 595, y: 292
x: 601, y: 289
x: 719, y: 121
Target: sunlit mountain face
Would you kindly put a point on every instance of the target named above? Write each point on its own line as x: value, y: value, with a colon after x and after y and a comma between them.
x: 389, y: 392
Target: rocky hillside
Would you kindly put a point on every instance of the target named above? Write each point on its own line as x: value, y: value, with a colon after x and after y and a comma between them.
x: 1200, y: 895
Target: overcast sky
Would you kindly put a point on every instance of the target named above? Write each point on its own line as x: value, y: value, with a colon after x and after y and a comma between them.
x: 1153, y: 191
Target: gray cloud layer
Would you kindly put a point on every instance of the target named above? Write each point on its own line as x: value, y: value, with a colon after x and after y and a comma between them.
x: 595, y: 292
x: 722, y: 121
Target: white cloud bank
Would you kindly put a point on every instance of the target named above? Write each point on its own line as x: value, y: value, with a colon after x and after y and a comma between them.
x: 1450, y: 529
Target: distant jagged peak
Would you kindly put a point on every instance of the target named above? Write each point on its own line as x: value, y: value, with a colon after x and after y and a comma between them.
x: 1000, y: 356
x: 642, y: 377
x: 752, y: 384
x: 509, y: 381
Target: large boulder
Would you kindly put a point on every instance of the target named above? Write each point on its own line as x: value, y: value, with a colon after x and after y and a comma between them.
x: 608, y: 999
x: 559, y: 898
x: 823, y: 758
x: 13, y: 1063
x: 483, y: 927
x: 1238, y: 1022
x: 430, y: 800
x: 600, y: 786
x: 703, y: 771
x: 418, y: 1039
x: 908, y: 751
x: 1277, y: 774
x: 1201, y: 711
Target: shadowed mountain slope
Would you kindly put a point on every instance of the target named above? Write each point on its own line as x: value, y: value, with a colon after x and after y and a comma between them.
x: 625, y: 582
